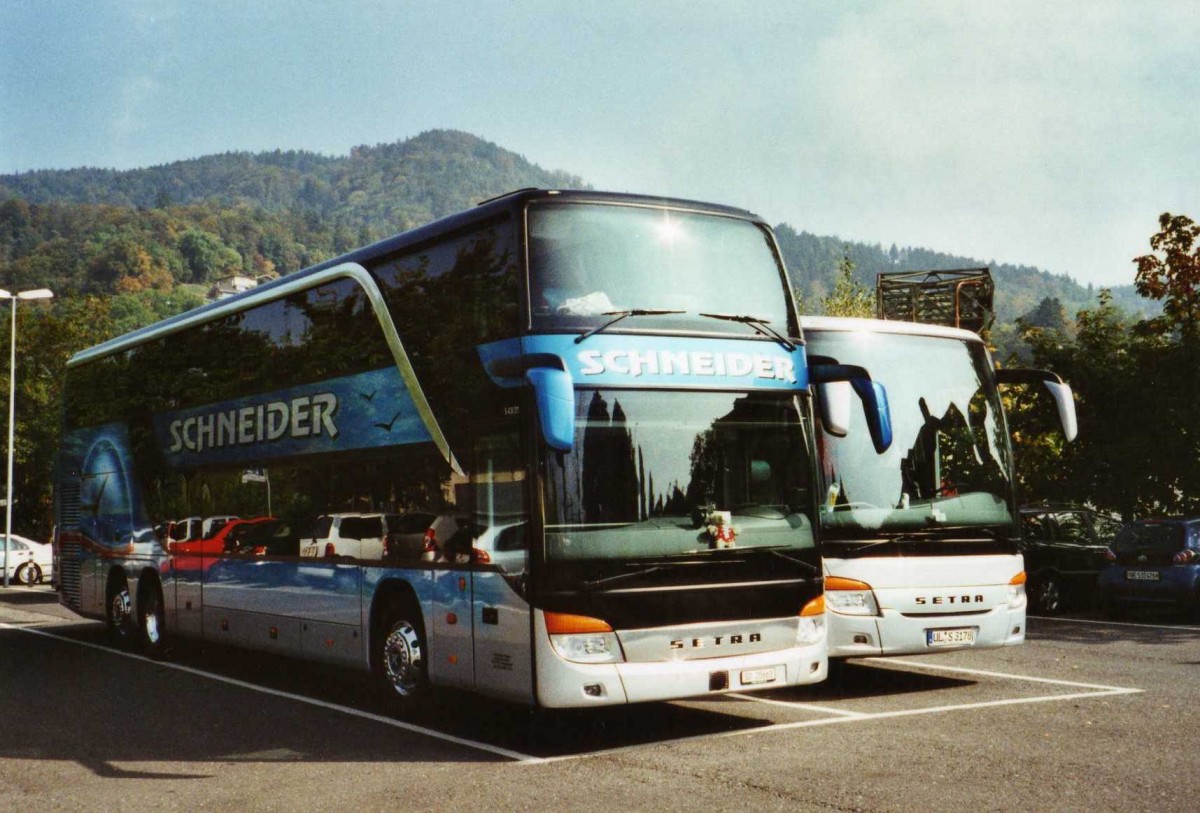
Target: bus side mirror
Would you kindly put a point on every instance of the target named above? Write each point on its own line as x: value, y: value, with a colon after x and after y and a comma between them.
x: 1064, y: 399
x: 832, y: 379
x: 554, y: 394
x: 833, y: 400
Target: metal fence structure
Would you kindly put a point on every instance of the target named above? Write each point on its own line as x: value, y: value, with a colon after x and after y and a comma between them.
x: 957, y: 297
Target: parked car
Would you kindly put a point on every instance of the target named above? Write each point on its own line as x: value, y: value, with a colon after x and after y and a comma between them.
x: 192, y: 529
x: 1065, y: 548
x: 225, y: 539
x: 419, y: 535
x: 1156, y: 563
x: 503, y: 544
x: 351, y: 534
x: 29, y: 562
x: 269, y: 537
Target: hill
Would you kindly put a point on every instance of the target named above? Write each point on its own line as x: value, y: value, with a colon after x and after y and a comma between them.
x: 812, y: 259
x: 387, y: 187
x: 189, y: 222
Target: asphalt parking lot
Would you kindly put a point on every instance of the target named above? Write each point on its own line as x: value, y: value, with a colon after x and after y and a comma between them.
x: 1087, y: 715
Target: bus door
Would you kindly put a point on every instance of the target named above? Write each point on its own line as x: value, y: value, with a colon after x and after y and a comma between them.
x: 499, y: 554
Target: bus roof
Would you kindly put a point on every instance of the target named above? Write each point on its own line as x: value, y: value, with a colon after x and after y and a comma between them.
x: 849, y: 324
x: 485, y: 210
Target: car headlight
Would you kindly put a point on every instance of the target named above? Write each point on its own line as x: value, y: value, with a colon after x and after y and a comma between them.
x: 581, y: 639
x: 850, y: 596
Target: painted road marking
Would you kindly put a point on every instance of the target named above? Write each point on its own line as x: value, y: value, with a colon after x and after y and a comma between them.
x: 836, y: 716
x: 241, y: 684
x: 840, y: 716
x: 1164, y: 627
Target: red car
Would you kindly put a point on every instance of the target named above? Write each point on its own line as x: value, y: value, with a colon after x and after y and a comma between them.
x: 225, y: 540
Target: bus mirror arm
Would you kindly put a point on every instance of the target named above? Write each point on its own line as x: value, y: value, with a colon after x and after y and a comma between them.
x: 872, y: 394
x: 1064, y: 399
x: 554, y: 395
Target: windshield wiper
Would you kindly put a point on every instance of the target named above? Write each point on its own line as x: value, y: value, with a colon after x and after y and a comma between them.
x: 778, y: 550
x: 622, y: 315
x: 938, y: 536
x: 645, y: 571
x: 761, y: 326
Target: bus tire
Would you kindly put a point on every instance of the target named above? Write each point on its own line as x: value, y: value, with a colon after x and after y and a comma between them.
x: 151, y: 618
x: 118, y: 611
x: 400, y: 656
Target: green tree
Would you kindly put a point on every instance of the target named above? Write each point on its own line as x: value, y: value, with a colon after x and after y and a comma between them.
x: 206, y: 257
x: 850, y: 297
x: 1171, y: 273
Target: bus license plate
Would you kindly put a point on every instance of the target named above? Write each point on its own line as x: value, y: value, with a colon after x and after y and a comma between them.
x: 962, y: 636
x: 750, y: 677
x: 1141, y: 575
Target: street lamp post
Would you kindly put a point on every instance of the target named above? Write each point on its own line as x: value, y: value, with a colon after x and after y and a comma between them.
x: 39, y: 293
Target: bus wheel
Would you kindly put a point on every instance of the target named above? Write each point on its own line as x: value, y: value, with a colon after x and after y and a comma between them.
x: 400, y: 658
x: 118, y: 612
x: 151, y: 619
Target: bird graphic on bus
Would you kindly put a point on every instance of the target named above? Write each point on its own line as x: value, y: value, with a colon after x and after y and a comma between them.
x: 387, y: 427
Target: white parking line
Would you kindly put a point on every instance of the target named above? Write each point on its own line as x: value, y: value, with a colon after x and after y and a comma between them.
x: 241, y: 684
x: 937, y: 667
x: 1169, y: 627
x: 839, y: 716
x: 836, y: 716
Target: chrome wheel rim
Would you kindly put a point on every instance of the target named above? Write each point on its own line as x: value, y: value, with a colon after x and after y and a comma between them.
x: 1049, y: 596
x: 119, y: 609
x: 150, y: 622
x: 402, y: 658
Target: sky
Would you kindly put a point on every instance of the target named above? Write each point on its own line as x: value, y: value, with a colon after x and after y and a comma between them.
x: 1050, y: 134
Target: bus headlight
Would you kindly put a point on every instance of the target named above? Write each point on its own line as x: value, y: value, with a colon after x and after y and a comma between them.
x: 812, y: 622
x: 850, y: 596
x: 1016, y: 592
x: 581, y: 639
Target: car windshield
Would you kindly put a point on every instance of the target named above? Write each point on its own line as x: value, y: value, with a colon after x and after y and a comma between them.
x: 949, y: 464
x: 656, y: 474
x: 589, y: 260
x: 1150, y: 538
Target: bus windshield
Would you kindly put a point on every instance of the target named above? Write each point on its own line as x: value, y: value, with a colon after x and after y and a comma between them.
x: 589, y: 260
x: 949, y: 470
x: 658, y: 474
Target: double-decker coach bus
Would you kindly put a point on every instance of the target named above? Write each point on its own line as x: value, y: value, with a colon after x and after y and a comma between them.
x: 556, y: 449
x: 920, y: 542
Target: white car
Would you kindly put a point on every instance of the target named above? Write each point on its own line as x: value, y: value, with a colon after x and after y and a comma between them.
x: 29, y: 562
x: 503, y: 544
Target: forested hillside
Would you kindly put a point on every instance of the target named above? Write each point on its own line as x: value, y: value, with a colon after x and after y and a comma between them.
x: 812, y: 261
x: 123, y: 249
x: 190, y: 222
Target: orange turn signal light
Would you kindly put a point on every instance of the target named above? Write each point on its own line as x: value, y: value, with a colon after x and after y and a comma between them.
x: 814, y: 607
x: 842, y: 583
x: 1018, y: 579
x: 566, y: 624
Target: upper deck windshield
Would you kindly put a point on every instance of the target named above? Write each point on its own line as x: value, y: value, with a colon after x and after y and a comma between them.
x: 948, y: 473
x: 587, y: 260
x: 679, y: 475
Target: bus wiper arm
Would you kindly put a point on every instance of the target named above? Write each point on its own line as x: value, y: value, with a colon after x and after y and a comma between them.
x: 894, y: 540
x: 594, y: 583
x: 760, y: 325
x: 622, y: 315
x: 777, y: 551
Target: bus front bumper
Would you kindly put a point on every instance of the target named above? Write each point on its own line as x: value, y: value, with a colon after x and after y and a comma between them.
x: 895, y: 633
